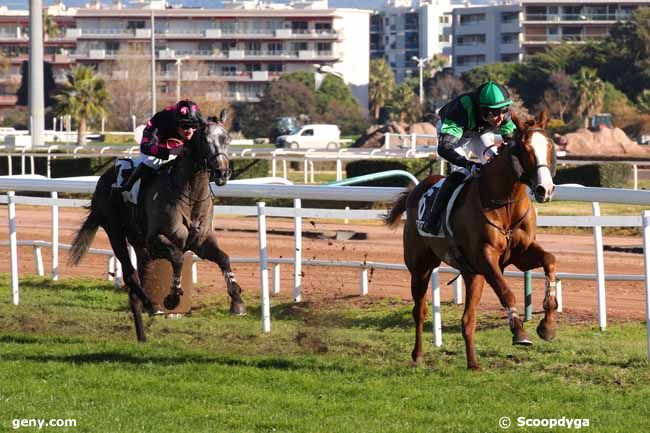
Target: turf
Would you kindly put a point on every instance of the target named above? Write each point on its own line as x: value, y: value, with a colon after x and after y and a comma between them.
x: 68, y: 351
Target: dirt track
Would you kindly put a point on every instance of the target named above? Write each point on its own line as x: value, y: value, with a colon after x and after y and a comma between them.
x: 238, y: 237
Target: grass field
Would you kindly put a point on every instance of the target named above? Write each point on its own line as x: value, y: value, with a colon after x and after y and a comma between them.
x: 68, y: 352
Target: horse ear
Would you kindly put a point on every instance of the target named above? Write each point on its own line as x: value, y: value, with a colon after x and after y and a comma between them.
x: 223, y: 116
x: 521, y: 125
x: 543, y: 119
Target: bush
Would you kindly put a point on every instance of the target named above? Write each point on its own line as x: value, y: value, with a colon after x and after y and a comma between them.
x: 608, y: 175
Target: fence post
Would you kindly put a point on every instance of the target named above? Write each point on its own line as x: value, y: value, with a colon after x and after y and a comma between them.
x: 339, y: 169
x: 13, y: 247
x: 38, y: 257
x: 458, y: 291
x: 645, y: 222
x: 414, y: 138
x: 110, y: 268
x: 528, y: 296
x: 264, y: 268
x: 636, y: 176
x: 363, y: 282
x: 276, y: 278
x: 558, y: 295
x: 55, y: 238
x: 195, y: 272
x: 297, y: 259
x: 435, y: 300
x: 600, y: 269
x: 387, y: 141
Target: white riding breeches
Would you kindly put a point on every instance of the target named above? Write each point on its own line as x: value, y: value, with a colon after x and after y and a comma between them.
x: 152, y: 161
x: 484, y: 147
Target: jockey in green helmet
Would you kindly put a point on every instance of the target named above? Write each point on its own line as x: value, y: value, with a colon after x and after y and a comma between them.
x: 470, y: 122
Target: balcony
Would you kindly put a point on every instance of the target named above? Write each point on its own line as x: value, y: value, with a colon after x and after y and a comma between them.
x: 574, y: 18
x: 166, y: 54
x: 97, y: 54
x: 556, y: 39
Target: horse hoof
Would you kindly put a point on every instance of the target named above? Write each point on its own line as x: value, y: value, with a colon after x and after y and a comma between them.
x: 473, y: 367
x: 546, y: 332
x: 237, y: 309
x: 521, y: 341
x: 172, y: 301
x: 418, y: 362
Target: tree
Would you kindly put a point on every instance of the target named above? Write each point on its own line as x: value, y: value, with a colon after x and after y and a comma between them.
x: 130, y: 88
x: 83, y: 96
x: 381, y: 86
x: 558, y: 97
x: 405, y: 105
x: 443, y: 88
x: 643, y: 101
x: 590, y: 90
x: 50, y: 27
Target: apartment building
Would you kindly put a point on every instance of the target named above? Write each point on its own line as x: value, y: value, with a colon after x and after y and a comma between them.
x: 404, y: 29
x: 484, y: 35
x: 243, y: 46
x: 556, y: 21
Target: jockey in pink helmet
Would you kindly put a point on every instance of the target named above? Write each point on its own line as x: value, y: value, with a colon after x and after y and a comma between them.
x: 164, y: 137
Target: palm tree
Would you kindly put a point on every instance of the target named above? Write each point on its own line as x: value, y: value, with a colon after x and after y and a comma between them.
x: 591, y: 91
x: 381, y: 85
x: 84, y: 97
x: 50, y: 27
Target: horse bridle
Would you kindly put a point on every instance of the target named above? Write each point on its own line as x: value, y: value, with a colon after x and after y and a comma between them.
x: 516, y: 165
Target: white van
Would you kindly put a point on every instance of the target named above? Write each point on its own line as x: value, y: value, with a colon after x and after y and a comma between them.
x: 311, y: 137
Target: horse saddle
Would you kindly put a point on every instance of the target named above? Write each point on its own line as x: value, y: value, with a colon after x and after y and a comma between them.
x: 126, y: 166
x: 425, y: 206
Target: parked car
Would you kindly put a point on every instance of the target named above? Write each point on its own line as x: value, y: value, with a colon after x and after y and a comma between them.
x: 315, y: 136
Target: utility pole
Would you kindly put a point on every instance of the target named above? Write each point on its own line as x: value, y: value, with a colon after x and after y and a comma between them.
x: 36, y: 79
x: 153, y: 63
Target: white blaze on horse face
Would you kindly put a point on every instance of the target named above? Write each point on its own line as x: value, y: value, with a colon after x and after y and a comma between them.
x: 540, y: 145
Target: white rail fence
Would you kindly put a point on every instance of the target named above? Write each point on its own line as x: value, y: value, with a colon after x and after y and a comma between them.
x: 563, y: 192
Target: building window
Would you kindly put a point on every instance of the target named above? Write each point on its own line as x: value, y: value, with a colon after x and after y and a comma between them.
x: 274, y: 47
x: 275, y: 67
x: 510, y: 57
x: 509, y: 17
x: 471, y: 60
x: 299, y: 46
x: 471, y: 39
x: 470, y: 19
x: 323, y: 27
x: 299, y: 27
x: 509, y: 38
x: 444, y: 38
x: 251, y: 67
x: 324, y: 47
x: 536, y: 13
x: 411, y: 22
x: 443, y: 19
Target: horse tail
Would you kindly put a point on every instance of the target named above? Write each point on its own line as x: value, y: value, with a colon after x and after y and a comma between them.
x: 83, y: 238
x: 399, y: 207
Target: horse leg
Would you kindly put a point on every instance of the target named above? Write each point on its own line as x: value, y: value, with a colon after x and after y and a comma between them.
x: 535, y: 257
x: 137, y: 297
x: 494, y: 276
x: 474, y: 289
x: 143, y: 262
x: 420, y: 277
x: 210, y: 250
x: 161, y: 247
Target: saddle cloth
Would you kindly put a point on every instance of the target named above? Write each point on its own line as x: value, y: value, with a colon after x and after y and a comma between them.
x: 125, y: 167
x: 424, y: 210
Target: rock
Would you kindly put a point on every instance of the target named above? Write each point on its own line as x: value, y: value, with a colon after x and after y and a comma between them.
x: 605, y: 141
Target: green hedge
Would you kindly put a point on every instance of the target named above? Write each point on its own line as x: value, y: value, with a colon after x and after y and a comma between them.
x: 607, y: 175
x: 61, y: 167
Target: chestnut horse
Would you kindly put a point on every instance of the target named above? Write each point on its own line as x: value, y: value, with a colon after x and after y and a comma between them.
x: 493, y: 223
x: 174, y: 215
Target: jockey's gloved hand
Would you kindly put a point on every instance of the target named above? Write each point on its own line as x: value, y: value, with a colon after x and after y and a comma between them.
x: 474, y: 168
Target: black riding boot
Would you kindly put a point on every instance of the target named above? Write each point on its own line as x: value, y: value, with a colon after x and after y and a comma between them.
x: 139, y: 172
x: 432, y: 225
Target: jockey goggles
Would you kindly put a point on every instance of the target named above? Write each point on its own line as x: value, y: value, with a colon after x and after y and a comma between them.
x: 185, y: 126
x: 495, y: 112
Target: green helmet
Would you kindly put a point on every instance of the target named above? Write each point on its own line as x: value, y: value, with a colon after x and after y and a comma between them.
x: 493, y: 95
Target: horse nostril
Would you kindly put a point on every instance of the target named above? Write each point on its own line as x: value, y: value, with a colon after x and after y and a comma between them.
x: 540, y: 191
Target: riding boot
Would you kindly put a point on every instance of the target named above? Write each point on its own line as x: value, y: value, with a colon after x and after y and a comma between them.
x: 139, y: 172
x: 432, y: 225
